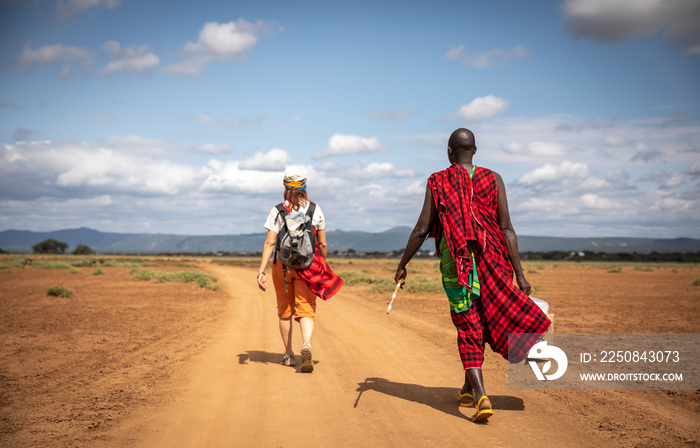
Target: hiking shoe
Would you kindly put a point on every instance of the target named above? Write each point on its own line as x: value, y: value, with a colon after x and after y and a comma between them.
x: 288, y: 359
x: 307, y: 365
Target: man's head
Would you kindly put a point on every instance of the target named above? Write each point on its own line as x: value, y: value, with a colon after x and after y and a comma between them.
x: 461, y: 145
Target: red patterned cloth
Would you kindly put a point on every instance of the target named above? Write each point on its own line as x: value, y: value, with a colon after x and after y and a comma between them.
x: 320, y: 278
x: 467, y: 212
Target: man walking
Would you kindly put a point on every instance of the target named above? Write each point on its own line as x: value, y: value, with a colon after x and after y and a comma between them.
x: 466, y: 211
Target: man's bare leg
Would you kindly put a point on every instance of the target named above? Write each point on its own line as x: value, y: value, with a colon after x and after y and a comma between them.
x: 475, y: 379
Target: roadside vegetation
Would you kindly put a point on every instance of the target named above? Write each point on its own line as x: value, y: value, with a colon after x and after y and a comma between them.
x: 59, y: 291
x: 200, y: 279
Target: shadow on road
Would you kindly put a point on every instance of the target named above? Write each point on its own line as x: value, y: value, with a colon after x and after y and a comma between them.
x: 259, y: 356
x: 265, y: 358
x: 443, y: 399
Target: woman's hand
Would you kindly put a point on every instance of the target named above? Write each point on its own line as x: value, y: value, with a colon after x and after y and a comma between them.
x: 262, y: 281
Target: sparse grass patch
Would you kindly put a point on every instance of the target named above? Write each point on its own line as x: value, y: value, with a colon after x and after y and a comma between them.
x: 615, y: 270
x: 644, y: 268
x: 200, y: 279
x: 52, y: 265
x: 355, y: 278
x: 421, y: 284
x: 98, y: 272
x: 532, y: 271
x: 74, y: 271
x: 696, y: 282
x: 129, y: 264
x: 9, y: 265
x: 59, y: 291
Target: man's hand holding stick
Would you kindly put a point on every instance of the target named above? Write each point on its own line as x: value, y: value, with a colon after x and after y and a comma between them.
x: 393, y: 296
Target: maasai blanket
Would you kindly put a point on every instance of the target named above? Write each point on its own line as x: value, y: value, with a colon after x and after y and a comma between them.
x: 467, y: 210
x: 320, y: 278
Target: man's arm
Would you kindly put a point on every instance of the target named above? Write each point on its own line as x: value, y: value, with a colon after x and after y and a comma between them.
x: 511, y: 238
x: 426, y: 219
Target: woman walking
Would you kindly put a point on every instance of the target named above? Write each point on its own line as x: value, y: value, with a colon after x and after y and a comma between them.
x: 296, y: 289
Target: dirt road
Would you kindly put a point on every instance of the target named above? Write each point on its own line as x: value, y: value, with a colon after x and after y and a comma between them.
x: 379, y: 380
x: 146, y: 364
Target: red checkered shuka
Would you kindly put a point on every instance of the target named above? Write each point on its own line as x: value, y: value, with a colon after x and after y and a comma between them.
x: 467, y: 210
x: 320, y: 278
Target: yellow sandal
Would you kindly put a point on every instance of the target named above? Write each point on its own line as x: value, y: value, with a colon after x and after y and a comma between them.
x: 482, y: 415
x: 460, y: 397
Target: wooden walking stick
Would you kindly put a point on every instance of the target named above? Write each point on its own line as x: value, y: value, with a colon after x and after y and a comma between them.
x: 393, y: 296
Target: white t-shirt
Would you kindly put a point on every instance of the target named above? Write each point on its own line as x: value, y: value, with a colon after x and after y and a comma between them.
x: 274, y: 220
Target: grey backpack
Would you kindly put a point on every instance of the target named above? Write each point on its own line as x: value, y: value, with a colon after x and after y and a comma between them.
x: 296, y: 242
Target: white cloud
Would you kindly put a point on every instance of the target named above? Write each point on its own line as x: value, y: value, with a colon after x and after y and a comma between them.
x: 545, y: 149
x: 481, y: 108
x: 614, y: 21
x: 694, y: 170
x: 135, y: 59
x: 83, y: 169
x: 454, y: 52
x: 548, y: 173
x: 212, y: 149
x: 595, y: 201
x: 51, y: 54
x: 274, y: 160
x: 675, y: 180
x: 220, y: 42
x: 343, y: 145
x: 231, y: 124
x: 231, y: 178
x: 487, y: 59
x: 375, y: 170
x: 69, y: 8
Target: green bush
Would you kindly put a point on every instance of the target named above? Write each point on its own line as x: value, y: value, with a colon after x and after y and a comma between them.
x: 696, y: 282
x: 82, y: 249
x: 50, y: 246
x: 59, y: 291
x: 98, y: 272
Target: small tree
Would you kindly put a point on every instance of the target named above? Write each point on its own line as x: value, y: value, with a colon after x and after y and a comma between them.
x: 82, y: 249
x: 50, y: 246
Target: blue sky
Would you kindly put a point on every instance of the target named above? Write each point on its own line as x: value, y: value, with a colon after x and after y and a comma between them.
x: 176, y: 117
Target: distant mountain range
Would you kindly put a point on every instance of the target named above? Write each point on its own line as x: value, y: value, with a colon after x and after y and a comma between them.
x: 394, y: 239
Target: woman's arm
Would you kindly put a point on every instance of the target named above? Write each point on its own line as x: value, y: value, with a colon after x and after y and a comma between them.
x: 511, y: 238
x: 321, y: 240
x: 268, y: 248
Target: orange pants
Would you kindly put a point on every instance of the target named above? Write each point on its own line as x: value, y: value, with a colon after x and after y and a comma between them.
x: 297, y: 300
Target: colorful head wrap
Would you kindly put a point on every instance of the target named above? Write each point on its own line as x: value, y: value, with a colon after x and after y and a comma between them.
x: 293, y: 179
x: 298, y: 185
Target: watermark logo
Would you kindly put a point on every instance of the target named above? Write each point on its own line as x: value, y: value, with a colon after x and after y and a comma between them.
x: 541, y: 351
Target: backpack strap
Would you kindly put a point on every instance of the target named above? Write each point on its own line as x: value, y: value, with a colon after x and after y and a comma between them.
x: 281, y: 212
x: 310, y: 213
